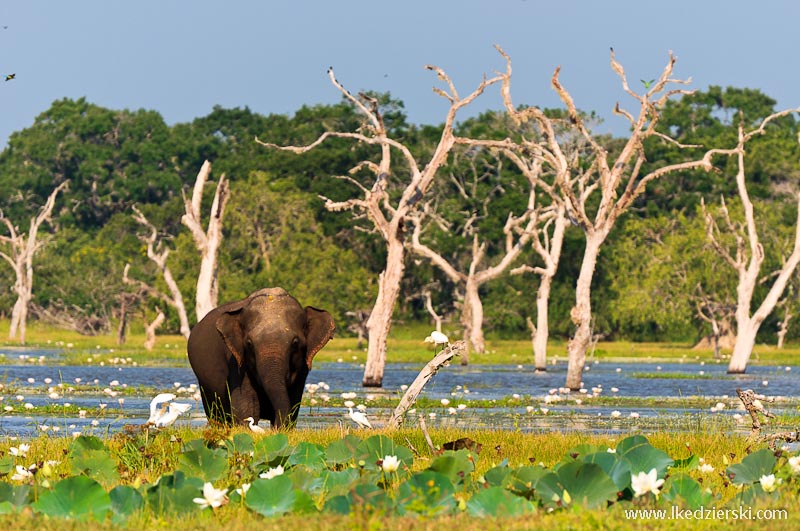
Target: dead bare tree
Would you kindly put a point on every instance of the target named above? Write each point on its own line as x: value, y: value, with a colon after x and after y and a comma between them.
x: 20, y: 256
x: 208, y: 241
x: 748, y: 256
x: 517, y: 232
x: 388, y: 217
x: 719, y: 316
x: 548, y: 246
x: 618, y: 180
x: 150, y: 330
x: 783, y: 326
x: 158, y: 253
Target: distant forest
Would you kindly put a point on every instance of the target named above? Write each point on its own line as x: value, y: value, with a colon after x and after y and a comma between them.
x: 655, y: 277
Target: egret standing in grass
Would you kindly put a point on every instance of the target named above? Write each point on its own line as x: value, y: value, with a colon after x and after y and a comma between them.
x: 359, y: 418
x: 255, y: 428
x: 437, y: 338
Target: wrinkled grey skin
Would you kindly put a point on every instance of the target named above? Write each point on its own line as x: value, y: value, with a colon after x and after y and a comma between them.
x: 251, y: 357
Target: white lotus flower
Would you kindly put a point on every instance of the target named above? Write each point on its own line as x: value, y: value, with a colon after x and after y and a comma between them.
x: 212, y: 497
x: 794, y: 464
x: 272, y: 472
x: 22, y: 451
x: 705, y: 468
x: 242, y: 491
x: 22, y: 474
x: 768, y: 483
x: 642, y: 483
x: 390, y: 463
x: 616, y: 414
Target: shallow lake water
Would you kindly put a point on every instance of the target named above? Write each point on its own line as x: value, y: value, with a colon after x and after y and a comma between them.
x: 456, y: 383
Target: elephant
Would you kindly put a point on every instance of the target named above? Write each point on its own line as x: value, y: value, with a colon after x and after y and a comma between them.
x: 251, y: 357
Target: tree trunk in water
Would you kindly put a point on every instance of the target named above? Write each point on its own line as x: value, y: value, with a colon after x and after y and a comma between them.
x: 19, y: 318
x: 581, y: 313
x: 380, y: 319
x: 542, y: 329
x: 472, y: 319
x: 745, y: 341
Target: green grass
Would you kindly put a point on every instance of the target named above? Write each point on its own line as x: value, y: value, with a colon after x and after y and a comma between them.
x: 405, y: 345
x: 144, y: 457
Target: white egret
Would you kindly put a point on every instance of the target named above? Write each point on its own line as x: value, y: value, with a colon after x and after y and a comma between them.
x: 437, y: 338
x: 155, y: 406
x: 255, y: 427
x: 359, y: 418
x: 164, y: 412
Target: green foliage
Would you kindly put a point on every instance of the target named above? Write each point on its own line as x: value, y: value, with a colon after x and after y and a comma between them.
x: 277, y: 231
x: 79, y: 498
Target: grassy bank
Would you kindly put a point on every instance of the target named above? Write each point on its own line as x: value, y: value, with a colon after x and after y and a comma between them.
x: 405, y: 345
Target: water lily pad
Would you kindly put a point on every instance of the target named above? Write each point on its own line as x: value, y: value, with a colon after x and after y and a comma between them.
x: 93, y: 462
x: 635, y: 454
x: 16, y: 495
x: 7, y: 464
x: 271, y: 497
x: 272, y: 450
x: 173, y: 493
x: 342, y: 451
x: 759, y: 463
x: 309, y: 455
x: 241, y: 443
x: 208, y: 464
x: 78, y: 498
x: 681, y: 487
x: 524, y: 480
x: 426, y: 493
x: 338, y: 505
x: 125, y: 501
x: 369, y: 497
x: 338, y: 482
x: 372, y: 451
x: 498, y: 476
x: 456, y: 466
x: 497, y: 501
x: 587, y: 484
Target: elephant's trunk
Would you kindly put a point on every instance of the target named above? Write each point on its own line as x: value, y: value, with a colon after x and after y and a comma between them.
x: 273, y: 370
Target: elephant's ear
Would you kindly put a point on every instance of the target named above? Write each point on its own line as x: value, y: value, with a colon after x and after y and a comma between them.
x: 231, y: 331
x: 319, y: 330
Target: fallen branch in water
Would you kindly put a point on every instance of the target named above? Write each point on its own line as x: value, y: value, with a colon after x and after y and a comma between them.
x: 427, y: 372
x: 753, y: 406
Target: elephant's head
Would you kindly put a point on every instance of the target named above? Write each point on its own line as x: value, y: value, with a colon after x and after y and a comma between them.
x: 275, y: 339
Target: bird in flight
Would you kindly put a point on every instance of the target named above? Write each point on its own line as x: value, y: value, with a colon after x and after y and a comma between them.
x: 9, y: 77
x: 647, y: 83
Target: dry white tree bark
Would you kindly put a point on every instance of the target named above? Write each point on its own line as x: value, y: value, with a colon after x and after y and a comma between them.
x: 388, y: 213
x: 748, y: 256
x: 208, y: 241
x: 517, y: 230
x: 547, y: 245
x: 618, y: 180
x: 20, y: 256
x: 158, y: 254
x: 150, y: 330
x: 783, y: 326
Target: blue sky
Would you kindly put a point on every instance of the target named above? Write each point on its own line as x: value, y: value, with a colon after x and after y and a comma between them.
x: 181, y: 58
